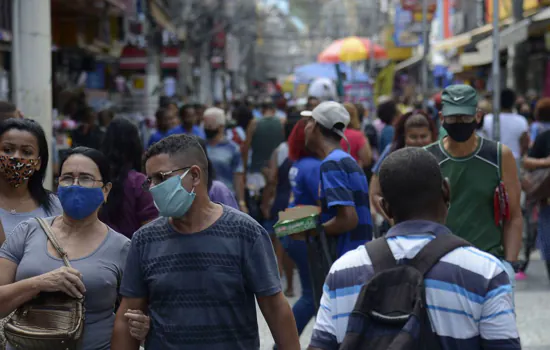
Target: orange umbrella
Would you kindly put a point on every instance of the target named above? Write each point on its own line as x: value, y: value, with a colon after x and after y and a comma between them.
x: 350, y: 49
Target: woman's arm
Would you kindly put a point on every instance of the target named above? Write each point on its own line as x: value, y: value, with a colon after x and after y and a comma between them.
x: 535, y: 163
x: 2, y: 234
x: 365, y: 155
x: 13, y: 295
x: 271, y: 186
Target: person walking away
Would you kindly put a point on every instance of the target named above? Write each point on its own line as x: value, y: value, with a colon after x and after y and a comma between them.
x: 242, y: 115
x: 413, y: 129
x: 217, y: 190
x: 275, y: 199
x: 30, y: 265
x: 485, y: 203
x: 304, y: 178
x: 359, y: 147
x: 263, y: 136
x: 387, y: 112
x: 538, y: 158
x: 200, y: 254
x: 8, y: 110
x: 416, y: 197
x: 225, y: 155
x: 88, y: 133
x: 167, y: 122
x: 189, y: 122
x: 128, y: 206
x: 514, y: 129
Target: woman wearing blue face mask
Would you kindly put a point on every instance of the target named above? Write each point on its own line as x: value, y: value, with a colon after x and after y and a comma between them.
x: 30, y: 264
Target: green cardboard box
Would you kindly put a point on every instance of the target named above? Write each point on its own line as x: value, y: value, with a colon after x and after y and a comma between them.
x: 297, y: 220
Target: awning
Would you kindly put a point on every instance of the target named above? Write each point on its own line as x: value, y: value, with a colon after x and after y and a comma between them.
x: 512, y: 35
x: 161, y: 16
x: 408, y: 63
x: 464, y: 39
x: 543, y: 15
x: 134, y: 58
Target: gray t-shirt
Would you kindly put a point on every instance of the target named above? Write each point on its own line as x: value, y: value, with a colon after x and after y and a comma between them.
x: 201, y: 287
x: 101, y: 270
x: 11, y: 220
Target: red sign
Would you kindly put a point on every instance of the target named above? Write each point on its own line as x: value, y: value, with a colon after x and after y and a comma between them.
x: 416, y: 5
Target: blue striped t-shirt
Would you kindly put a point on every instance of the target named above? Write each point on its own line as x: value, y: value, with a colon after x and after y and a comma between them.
x: 343, y: 183
x: 468, y: 293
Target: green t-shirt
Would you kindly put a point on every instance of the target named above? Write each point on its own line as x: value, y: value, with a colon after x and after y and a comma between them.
x: 473, y: 181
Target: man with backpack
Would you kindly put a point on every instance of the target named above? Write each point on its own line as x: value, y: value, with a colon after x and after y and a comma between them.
x: 392, y: 292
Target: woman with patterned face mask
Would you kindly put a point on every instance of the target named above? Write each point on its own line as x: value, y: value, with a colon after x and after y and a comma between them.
x: 23, y: 162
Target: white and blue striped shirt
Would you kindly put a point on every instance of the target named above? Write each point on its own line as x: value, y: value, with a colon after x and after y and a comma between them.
x: 468, y: 293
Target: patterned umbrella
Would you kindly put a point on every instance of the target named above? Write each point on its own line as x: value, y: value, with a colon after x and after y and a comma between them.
x: 350, y: 49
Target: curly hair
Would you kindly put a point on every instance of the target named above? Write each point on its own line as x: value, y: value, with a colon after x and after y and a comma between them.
x: 124, y: 154
x: 412, y: 119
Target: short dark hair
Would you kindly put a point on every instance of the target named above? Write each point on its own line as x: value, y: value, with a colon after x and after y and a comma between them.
x: 387, y: 111
x: 507, y: 98
x: 177, y: 146
x: 7, y: 110
x: 96, y: 156
x: 329, y: 134
x: 411, y: 180
x: 211, y: 172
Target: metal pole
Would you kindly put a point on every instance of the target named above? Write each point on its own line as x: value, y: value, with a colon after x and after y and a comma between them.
x: 426, y: 42
x: 496, y: 72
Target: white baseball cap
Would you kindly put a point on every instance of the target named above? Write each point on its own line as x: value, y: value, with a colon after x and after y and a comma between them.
x: 332, y: 115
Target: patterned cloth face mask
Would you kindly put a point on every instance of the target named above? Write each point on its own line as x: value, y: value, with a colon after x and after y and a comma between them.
x: 16, y: 171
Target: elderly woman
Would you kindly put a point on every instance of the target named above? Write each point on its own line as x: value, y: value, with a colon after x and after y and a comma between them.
x: 30, y: 265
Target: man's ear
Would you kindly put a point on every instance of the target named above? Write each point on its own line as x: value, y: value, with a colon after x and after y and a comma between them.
x: 385, y: 208
x: 446, y: 191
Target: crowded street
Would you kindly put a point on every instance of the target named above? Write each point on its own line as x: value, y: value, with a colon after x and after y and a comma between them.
x: 274, y: 175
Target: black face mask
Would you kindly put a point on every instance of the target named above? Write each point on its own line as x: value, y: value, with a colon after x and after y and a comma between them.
x: 460, y: 132
x: 210, y: 133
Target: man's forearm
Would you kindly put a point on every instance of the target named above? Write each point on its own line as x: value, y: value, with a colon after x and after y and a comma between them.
x: 122, y: 339
x: 280, y: 320
x: 512, y: 237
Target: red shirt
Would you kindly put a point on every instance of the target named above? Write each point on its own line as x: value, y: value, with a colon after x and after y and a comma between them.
x: 356, y: 141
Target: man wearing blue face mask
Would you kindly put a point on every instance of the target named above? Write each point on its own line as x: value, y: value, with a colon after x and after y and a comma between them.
x: 198, y: 269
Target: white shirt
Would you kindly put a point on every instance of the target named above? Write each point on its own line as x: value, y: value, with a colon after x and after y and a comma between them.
x: 512, y: 126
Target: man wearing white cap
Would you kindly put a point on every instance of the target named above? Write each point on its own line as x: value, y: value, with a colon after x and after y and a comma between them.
x: 343, y: 187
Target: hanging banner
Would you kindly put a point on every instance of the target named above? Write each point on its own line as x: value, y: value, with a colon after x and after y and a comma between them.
x: 406, y: 33
x: 416, y: 5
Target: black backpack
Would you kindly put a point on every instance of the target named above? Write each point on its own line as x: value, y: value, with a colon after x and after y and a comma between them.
x: 390, y: 312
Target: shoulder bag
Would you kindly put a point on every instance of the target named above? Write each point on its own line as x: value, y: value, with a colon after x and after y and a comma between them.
x: 51, y: 321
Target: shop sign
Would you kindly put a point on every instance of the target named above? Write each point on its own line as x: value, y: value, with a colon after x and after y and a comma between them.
x: 416, y: 5
x: 405, y: 31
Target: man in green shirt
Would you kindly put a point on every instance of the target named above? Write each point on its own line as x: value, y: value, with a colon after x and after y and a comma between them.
x: 475, y: 167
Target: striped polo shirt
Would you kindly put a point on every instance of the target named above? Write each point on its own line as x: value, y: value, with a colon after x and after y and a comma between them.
x: 468, y: 293
x: 343, y: 183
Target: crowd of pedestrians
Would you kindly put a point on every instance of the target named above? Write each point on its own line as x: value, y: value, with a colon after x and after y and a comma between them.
x: 177, y: 237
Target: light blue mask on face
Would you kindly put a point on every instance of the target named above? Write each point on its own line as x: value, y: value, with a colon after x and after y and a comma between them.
x: 171, y: 198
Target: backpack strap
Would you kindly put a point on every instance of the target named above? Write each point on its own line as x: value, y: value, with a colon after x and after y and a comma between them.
x: 380, y: 255
x: 435, y: 250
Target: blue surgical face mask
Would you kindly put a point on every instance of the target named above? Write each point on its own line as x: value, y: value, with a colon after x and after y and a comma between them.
x: 80, y: 202
x: 171, y: 198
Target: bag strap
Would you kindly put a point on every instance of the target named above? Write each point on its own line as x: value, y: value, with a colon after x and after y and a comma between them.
x: 51, y: 237
x: 380, y: 255
x: 437, y: 248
